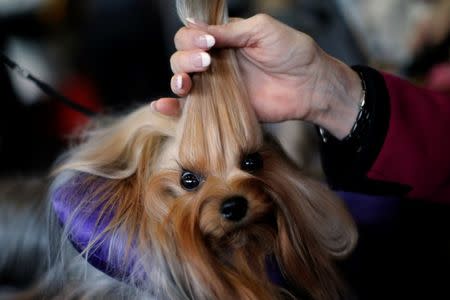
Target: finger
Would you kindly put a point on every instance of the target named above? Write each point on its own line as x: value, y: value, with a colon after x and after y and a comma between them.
x: 193, y: 23
x: 192, y: 38
x: 234, y: 19
x: 181, y: 84
x: 167, y: 106
x: 189, y: 61
x: 239, y: 33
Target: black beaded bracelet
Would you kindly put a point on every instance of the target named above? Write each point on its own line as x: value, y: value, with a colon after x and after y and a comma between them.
x: 361, y: 123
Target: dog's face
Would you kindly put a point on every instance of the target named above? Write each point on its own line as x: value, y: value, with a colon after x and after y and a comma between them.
x: 212, y: 220
x: 223, y: 196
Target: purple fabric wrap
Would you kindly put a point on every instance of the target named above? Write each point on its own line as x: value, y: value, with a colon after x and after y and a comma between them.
x: 86, y: 225
x: 370, y: 209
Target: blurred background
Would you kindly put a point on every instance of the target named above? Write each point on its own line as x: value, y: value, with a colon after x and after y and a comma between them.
x: 113, y: 54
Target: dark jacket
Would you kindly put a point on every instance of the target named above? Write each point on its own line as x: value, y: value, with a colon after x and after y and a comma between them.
x: 406, y: 149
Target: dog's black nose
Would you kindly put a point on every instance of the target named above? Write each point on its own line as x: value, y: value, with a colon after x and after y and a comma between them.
x: 234, y: 208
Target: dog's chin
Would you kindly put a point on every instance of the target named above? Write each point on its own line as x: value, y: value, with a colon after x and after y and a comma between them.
x: 253, y: 240
x: 246, y: 250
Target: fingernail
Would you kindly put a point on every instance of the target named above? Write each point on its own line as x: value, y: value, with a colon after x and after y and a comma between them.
x: 206, y: 41
x: 201, y: 60
x: 179, y: 82
x: 195, y: 23
x: 190, y: 20
x: 153, y: 105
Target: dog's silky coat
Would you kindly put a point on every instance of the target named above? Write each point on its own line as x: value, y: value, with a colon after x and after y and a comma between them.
x: 198, y: 204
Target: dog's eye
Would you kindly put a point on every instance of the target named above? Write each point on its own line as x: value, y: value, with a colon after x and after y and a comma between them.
x: 252, y: 162
x: 189, y: 180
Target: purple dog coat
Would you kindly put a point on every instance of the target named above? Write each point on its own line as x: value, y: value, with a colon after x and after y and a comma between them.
x: 84, y: 225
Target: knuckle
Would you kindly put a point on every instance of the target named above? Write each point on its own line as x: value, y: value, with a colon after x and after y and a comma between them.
x: 179, y: 37
x: 308, y: 41
x: 262, y: 19
x: 173, y: 62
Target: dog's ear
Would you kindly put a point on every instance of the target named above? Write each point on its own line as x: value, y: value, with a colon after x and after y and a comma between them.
x: 327, y: 218
x: 314, y: 229
x: 116, y: 151
x: 306, y: 203
x: 97, y: 195
x: 313, y: 224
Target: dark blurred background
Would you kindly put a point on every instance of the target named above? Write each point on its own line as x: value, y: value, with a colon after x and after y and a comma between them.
x: 113, y: 54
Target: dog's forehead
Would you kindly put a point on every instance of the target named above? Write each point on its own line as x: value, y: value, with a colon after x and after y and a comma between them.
x: 167, y: 158
x: 226, y: 163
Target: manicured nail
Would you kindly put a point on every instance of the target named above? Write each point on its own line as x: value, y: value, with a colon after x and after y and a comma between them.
x: 206, y: 41
x: 191, y: 20
x: 153, y: 105
x: 201, y: 60
x: 195, y: 23
x: 179, y: 82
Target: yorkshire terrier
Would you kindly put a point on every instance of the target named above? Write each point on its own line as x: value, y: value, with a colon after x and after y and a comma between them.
x: 204, y: 206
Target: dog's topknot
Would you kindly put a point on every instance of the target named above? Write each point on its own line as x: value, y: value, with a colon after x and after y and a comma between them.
x: 218, y: 119
x: 213, y: 12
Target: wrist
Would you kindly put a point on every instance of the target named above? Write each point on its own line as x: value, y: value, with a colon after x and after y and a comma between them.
x: 337, y: 99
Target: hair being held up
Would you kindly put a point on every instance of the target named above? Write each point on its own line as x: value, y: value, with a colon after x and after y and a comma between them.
x: 286, y: 74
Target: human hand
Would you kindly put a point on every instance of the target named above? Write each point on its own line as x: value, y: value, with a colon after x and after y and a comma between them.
x: 287, y: 75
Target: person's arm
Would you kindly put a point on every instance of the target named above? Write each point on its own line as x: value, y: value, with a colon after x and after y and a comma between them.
x: 406, y: 148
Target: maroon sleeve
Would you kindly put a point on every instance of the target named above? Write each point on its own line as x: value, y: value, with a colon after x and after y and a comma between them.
x: 404, y: 149
x: 416, y: 149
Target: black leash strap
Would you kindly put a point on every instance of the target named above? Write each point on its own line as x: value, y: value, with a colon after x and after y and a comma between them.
x: 48, y: 90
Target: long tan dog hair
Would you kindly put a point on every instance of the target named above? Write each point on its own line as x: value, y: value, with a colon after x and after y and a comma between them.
x: 187, y: 249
